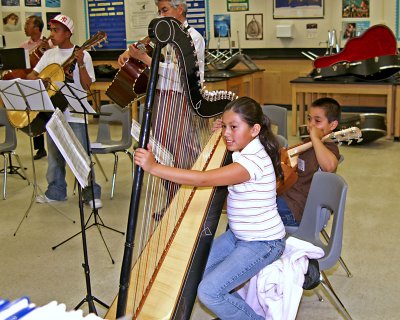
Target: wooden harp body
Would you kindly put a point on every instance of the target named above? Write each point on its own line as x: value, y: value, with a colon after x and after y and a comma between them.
x: 170, y: 227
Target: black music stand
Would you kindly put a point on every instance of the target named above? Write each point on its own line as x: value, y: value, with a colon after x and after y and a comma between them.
x: 26, y: 96
x: 79, y: 161
x: 77, y: 99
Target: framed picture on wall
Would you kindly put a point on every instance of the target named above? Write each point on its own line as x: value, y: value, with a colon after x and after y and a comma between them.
x: 222, y: 25
x: 49, y: 16
x: 355, y: 8
x: 33, y: 3
x: 298, y: 9
x: 238, y: 5
x: 254, y: 26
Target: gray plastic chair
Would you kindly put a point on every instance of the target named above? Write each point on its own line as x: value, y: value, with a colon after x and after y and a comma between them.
x: 7, y: 149
x: 327, y: 195
x: 113, y: 114
x: 278, y: 116
x: 326, y: 214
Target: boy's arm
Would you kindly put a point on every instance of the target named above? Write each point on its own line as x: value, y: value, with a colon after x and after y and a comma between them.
x: 327, y: 160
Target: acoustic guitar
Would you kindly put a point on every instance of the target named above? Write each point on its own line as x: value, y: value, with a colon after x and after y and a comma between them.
x: 131, y: 80
x: 51, y: 74
x: 371, y: 56
x: 290, y: 155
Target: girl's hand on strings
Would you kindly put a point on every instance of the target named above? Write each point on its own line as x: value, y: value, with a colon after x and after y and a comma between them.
x: 217, y: 124
x: 145, y: 158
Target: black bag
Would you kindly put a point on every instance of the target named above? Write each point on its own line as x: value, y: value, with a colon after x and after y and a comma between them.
x: 105, y: 71
x: 311, y: 278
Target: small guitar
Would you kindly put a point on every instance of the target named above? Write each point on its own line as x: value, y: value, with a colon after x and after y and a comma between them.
x: 53, y: 72
x: 290, y: 155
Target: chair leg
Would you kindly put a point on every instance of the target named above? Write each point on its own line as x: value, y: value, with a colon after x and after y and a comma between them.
x: 328, y: 288
x: 114, y: 175
x: 100, y: 166
x: 326, y: 237
x: 21, y: 167
x: 130, y: 157
x: 5, y: 177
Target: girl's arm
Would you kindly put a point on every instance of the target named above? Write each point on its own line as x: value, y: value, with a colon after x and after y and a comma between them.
x: 228, y: 175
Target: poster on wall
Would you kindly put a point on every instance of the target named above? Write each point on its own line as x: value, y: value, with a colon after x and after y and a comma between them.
x: 11, y: 21
x: 355, y: 8
x: 352, y: 29
x: 306, y: 9
x: 222, y: 25
x: 53, y: 3
x: 33, y: 3
x: 254, y: 26
x: 238, y: 5
x: 6, y: 3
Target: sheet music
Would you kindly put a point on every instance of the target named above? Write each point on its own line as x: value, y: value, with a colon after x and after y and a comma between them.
x: 161, y: 154
x: 14, y: 92
x: 69, y: 146
x: 76, y: 97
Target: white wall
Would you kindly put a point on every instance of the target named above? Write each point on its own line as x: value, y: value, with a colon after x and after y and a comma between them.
x: 381, y: 11
x: 71, y: 8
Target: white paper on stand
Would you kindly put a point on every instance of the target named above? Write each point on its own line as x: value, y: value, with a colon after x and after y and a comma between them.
x: 70, y: 147
x: 161, y: 154
x: 20, y: 94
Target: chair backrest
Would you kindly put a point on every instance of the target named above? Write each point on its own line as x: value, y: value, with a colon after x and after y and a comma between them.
x: 10, y: 141
x: 278, y: 116
x: 114, y: 114
x: 327, y: 191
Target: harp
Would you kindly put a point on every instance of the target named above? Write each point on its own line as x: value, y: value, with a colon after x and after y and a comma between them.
x: 172, y: 225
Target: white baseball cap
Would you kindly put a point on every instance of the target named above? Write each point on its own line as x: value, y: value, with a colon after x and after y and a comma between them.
x: 65, y: 20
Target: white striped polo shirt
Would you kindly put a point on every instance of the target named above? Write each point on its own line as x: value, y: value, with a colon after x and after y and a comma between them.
x: 251, y: 205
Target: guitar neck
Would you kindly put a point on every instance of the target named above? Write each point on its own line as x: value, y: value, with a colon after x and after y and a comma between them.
x: 294, y: 151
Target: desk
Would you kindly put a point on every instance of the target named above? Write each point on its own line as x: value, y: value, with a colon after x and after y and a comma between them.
x: 242, y: 82
x: 100, y: 87
x: 397, y: 112
x: 305, y: 90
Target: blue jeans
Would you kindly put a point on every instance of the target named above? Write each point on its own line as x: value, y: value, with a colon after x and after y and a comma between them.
x: 230, y: 264
x: 57, y: 186
x: 285, y: 213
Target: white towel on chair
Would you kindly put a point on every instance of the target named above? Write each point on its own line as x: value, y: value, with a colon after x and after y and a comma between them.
x: 275, y: 292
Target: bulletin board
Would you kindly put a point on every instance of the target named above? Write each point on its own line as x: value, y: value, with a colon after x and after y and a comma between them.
x: 108, y: 18
x: 126, y: 21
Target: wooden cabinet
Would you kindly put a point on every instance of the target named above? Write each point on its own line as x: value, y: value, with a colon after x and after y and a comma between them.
x: 250, y: 85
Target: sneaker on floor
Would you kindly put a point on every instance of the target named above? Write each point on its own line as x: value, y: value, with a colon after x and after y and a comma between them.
x: 97, y: 202
x: 44, y: 199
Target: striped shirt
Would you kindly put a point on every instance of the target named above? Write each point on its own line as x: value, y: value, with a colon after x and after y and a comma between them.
x: 252, y: 210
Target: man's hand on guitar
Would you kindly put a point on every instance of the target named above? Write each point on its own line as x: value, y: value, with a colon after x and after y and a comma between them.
x: 123, y: 57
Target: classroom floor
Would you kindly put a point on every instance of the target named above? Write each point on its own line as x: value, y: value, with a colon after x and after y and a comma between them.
x: 29, y: 265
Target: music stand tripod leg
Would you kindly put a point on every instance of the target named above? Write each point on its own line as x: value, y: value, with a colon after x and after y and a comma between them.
x: 89, y: 299
x: 35, y: 185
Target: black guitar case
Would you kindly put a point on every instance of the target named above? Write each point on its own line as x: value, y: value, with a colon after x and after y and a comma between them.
x: 372, y: 126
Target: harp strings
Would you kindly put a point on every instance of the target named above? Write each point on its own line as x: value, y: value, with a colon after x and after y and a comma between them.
x: 177, y: 129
